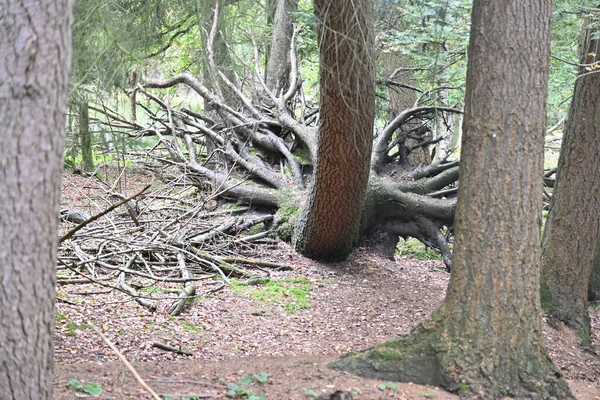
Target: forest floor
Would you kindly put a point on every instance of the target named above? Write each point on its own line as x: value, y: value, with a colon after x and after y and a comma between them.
x: 275, y: 338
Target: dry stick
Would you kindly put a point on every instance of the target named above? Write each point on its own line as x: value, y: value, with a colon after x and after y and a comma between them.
x: 124, y: 286
x: 124, y: 360
x: 252, y: 238
x: 253, y: 261
x: 177, y: 350
x: 69, y: 234
x: 189, y: 289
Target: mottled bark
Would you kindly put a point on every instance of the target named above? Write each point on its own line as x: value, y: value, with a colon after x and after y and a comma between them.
x: 35, y: 43
x: 329, y: 227
x: 571, y: 232
x: 486, y: 340
x: 278, y: 63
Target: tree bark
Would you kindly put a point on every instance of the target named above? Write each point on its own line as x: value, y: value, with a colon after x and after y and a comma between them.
x: 594, y: 288
x: 571, y: 232
x: 86, y: 137
x: 329, y: 226
x: 486, y: 340
x: 278, y: 64
x: 35, y: 41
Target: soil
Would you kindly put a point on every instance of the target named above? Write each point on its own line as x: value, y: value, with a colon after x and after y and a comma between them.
x: 233, y: 334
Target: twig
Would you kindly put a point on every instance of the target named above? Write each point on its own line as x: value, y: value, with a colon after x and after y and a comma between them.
x: 177, y: 350
x: 134, y: 293
x: 124, y: 360
x: 69, y: 234
x: 189, y: 289
x: 253, y: 261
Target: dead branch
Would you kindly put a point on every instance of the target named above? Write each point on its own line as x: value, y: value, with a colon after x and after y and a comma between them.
x: 188, y: 292
x: 177, y: 350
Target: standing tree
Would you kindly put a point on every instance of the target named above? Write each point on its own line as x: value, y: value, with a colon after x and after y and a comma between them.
x: 486, y: 339
x: 594, y: 288
x: 571, y: 232
x: 35, y: 43
x: 279, y: 143
x: 329, y: 226
x: 278, y: 64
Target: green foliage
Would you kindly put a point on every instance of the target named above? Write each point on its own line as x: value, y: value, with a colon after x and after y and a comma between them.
x: 413, y: 248
x: 240, y: 390
x: 90, y: 388
x: 74, y: 161
x: 291, y: 294
x: 433, y: 35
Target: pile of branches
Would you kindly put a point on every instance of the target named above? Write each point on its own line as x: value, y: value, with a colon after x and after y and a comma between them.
x: 158, y: 239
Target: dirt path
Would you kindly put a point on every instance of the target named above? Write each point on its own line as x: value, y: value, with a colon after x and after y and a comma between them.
x: 353, y: 305
x: 288, y: 327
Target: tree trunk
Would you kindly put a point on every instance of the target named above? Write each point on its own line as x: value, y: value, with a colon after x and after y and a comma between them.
x: 35, y: 41
x: 594, y: 288
x: 571, y: 232
x: 278, y: 64
x: 329, y: 226
x: 486, y: 340
x: 86, y: 137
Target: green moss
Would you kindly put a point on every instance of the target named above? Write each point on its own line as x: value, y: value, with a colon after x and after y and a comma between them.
x: 255, y: 229
x: 60, y: 317
x: 72, y: 328
x: 413, y: 248
x: 291, y: 294
x: 540, y: 390
x: 302, y: 280
x: 258, y: 280
x: 284, y: 223
x: 188, y: 326
x: 303, y: 157
x: 545, y: 297
x: 153, y: 289
x: 385, y: 353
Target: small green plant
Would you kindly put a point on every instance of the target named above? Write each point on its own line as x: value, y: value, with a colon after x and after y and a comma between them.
x: 90, y: 388
x: 72, y: 328
x: 429, y: 393
x: 240, y: 390
x: 59, y: 317
x: 463, y: 388
x: 388, y: 385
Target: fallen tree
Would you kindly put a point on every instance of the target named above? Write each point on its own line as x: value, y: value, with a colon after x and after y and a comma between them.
x: 261, y: 151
